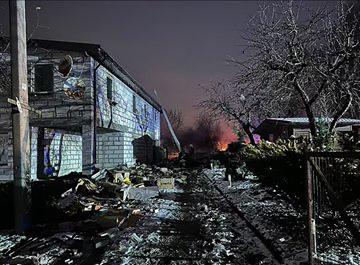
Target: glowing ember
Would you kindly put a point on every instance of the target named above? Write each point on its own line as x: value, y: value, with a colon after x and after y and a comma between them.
x: 221, y: 146
x: 173, y: 155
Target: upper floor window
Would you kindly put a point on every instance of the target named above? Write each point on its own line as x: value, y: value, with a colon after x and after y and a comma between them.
x: 155, y: 115
x: 109, y: 88
x: 145, y: 111
x: 134, y: 104
x: 44, y: 78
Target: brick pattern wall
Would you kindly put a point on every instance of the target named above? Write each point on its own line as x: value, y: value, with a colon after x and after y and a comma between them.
x: 71, y: 160
x: 71, y: 151
x: 110, y: 150
x: 121, y: 117
x: 57, y: 108
x: 33, y: 151
x: 6, y: 172
x: 6, y: 169
x: 128, y: 149
x: 60, y: 111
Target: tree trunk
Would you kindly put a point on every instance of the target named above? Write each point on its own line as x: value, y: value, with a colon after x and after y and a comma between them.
x: 312, y: 121
x: 308, y: 108
x: 249, y: 133
x: 341, y: 112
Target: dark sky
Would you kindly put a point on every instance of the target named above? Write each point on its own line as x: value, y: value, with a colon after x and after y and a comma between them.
x: 169, y: 46
x: 173, y: 47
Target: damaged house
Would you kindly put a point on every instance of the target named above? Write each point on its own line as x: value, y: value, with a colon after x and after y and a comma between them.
x: 90, y: 113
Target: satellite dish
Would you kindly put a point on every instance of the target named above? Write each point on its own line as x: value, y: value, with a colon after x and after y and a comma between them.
x: 74, y: 88
x: 66, y: 65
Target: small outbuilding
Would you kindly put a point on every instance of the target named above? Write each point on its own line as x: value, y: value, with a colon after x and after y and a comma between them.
x: 272, y: 129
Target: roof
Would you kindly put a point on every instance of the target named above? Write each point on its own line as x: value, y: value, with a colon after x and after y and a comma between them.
x: 304, y: 120
x: 270, y: 124
x: 102, y: 57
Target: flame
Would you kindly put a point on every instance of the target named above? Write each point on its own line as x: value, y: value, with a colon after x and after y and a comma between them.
x: 173, y: 155
x: 222, y: 146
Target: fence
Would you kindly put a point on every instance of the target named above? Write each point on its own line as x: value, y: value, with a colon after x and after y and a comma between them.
x: 327, y: 183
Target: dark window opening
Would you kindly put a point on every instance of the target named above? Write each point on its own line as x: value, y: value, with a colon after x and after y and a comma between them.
x: 109, y: 87
x: 134, y: 104
x: 44, y: 78
x: 145, y: 111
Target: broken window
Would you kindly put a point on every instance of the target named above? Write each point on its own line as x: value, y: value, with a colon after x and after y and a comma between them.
x: 44, y: 78
x: 109, y: 88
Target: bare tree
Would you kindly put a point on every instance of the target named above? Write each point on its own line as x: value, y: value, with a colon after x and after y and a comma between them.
x: 297, y: 61
x: 243, y: 102
x: 313, y: 55
x: 176, y: 118
x: 204, y: 135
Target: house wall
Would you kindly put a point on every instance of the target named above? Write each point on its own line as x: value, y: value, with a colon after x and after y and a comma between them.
x: 69, y: 147
x: 72, y: 118
x: 6, y: 160
x: 58, y: 111
x: 114, y: 148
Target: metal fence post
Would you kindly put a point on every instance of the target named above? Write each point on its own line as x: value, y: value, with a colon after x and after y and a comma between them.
x: 311, y: 217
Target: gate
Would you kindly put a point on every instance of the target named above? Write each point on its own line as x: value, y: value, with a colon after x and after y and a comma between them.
x: 325, y: 188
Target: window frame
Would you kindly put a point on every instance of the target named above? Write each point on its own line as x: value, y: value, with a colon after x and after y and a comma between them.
x: 33, y: 79
x: 135, y: 111
x: 111, y: 90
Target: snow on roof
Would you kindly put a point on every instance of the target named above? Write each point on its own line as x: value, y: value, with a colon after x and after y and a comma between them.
x: 304, y: 120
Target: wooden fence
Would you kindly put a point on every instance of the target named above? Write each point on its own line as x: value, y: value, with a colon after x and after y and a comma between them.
x: 325, y: 185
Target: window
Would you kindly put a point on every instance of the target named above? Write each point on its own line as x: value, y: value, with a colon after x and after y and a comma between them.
x: 44, y: 78
x: 145, y: 111
x: 271, y: 137
x: 134, y: 104
x: 109, y: 88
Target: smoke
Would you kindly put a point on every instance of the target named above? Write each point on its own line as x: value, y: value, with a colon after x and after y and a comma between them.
x: 204, y: 135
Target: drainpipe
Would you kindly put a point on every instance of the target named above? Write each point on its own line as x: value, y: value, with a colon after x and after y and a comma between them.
x: 94, y: 98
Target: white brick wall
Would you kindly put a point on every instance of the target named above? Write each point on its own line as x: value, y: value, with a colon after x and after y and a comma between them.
x: 33, y: 151
x: 71, y: 154
x: 71, y: 160
x: 120, y: 117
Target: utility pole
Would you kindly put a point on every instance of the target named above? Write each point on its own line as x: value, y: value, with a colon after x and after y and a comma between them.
x: 20, y: 115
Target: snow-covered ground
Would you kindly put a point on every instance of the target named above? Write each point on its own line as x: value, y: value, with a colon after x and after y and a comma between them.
x: 284, y: 225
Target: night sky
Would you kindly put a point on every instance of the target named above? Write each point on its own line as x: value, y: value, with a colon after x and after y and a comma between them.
x: 172, y: 47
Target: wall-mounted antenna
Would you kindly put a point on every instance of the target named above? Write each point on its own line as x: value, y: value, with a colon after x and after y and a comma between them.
x: 65, y: 65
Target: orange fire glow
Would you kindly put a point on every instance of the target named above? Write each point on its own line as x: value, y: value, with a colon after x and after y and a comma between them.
x: 227, y: 137
x: 222, y: 146
x: 173, y: 156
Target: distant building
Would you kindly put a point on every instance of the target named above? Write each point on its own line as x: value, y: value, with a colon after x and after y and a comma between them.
x: 95, y: 116
x: 272, y: 129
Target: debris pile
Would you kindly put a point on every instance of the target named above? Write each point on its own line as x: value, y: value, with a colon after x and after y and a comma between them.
x: 95, y: 210
x: 108, y: 189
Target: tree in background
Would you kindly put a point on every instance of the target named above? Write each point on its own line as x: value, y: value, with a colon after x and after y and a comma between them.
x: 293, y: 56
x: 313, y: 55
x: 204, y: 135
x: 241, y: 103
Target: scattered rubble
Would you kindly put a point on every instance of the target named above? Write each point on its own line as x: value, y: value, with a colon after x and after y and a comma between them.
x: 93, y: 212
x: 158, y: 215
